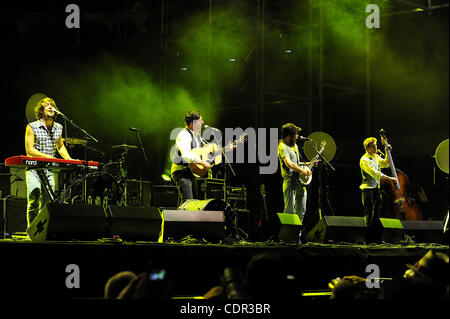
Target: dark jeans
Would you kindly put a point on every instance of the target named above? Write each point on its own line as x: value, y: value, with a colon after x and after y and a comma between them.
x: 185, y: 182
x: 372, y: 206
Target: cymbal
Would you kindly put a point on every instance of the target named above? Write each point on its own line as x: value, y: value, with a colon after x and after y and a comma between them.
x: 124, y: 146
x: 31, y: 104
x: 75, y: 141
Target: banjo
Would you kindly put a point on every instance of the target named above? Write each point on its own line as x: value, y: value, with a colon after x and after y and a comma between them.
x: 306, y: 180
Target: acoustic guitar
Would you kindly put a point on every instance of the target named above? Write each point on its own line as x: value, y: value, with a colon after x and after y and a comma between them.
x: 212, y: 154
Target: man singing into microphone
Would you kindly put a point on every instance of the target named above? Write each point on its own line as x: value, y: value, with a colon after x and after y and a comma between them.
x: 187, y: 139
x: 42, y: 138
x: 371, y: 164
x: 294, y: 192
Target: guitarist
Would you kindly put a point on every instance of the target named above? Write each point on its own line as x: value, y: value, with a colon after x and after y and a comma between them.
x: 294, y: 193
x: 371, y: 164
x: 187, y: 139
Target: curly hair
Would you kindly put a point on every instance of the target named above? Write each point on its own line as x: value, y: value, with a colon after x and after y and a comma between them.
x: 39, y: 108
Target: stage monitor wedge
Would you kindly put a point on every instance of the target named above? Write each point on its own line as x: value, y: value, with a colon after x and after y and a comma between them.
x: 338, y: 229
x: 424, y: 231
x: 290, y: 227
x: 135, y: 223
x: 208, y: 225
x: 391, y: 230
x: 69, y: 222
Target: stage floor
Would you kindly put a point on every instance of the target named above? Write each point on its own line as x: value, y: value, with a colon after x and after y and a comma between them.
x: 42, y: 269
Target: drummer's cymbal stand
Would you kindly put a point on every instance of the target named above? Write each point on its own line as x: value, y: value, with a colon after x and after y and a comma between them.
x: 122, y: 178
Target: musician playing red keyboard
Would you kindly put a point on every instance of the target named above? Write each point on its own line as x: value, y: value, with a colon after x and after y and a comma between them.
x: 43, y: 138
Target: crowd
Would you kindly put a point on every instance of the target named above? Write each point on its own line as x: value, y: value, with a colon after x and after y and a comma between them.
x: 265, y: 277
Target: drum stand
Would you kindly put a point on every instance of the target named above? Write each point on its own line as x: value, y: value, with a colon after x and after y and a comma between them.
x: 141, y: 166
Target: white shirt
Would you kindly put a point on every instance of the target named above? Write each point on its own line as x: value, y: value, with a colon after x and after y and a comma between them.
x: 184, y: 144
x: 371, y: 166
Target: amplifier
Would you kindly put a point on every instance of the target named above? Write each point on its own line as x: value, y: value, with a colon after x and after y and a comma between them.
x: 164, y: 196
x: 13, y: 212
x: 237, y: 197
x: 208, y: 188
x: 133, y: 194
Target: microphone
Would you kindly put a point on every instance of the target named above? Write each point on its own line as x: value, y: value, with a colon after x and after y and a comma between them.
x: 134, y: 129
x: 302, y: 138
x: 212, y: 128
x: 56, y: 111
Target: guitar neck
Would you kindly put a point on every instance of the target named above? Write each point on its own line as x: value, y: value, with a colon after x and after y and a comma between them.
x: 313, y: 161
x: 315, y: 158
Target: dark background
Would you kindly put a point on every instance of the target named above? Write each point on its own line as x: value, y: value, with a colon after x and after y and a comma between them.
x: 295, y: 61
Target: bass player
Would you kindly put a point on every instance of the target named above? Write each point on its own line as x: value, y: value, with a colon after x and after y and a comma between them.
x: 371, y: 164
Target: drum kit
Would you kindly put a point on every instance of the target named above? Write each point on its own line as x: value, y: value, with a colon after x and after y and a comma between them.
x: 108, y: 185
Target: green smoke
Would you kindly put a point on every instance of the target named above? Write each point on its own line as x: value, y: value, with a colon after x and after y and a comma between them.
x: 408, y: 58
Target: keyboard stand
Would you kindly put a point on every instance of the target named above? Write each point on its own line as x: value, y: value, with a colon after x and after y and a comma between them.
x: 46, y: 184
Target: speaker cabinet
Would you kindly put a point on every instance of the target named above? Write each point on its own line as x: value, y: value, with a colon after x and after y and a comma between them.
x: 424, y: 231
x: 208, y: 188
x: 135, y: 196
x: 338, y: 228
x: 391, y: 230
x: 13, y: 215
x: 69, y: 222
x: 290, y: 227
x: 209, y: 225
x: 164, y: 196
x: 135, y: 223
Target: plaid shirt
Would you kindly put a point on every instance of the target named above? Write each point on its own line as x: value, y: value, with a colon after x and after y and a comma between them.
x: 44, y: 140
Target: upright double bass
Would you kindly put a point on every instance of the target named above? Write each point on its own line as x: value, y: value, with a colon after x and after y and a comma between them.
x: 398, y: 204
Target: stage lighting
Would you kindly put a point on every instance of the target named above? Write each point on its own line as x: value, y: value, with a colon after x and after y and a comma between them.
x: 166, y: 178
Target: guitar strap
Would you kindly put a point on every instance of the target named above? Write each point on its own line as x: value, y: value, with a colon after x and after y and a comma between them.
x: 297, y: 153
x: 195, y: 142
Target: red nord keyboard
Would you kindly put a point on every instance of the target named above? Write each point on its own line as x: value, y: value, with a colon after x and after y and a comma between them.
x: 22, y: 161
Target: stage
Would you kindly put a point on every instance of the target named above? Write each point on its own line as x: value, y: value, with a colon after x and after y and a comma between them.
x: 123, y: 75
x: 47, y: 269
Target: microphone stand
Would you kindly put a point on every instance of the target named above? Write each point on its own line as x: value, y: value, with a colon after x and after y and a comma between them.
x: 226, y: 174
x: 320, y: 179
x: 227, y: 162
x: 88, y: 137
x: 141, y: 167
